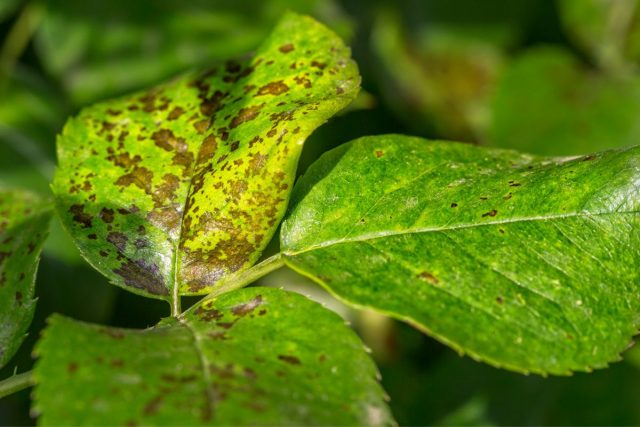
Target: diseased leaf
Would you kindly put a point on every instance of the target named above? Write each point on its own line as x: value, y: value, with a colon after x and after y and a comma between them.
x: 547, y: 103
x: 24, y: 224
x: 524, y: 262
x: 169, y: 190
x: 257, y: 356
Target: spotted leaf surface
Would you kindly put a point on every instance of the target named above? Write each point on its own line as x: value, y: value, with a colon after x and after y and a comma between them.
x: 169, y: 190
x: 24, y: 224
x: 525, y: 262
x: 257, y: 356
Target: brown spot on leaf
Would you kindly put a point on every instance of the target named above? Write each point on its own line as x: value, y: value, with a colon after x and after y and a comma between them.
x: 140, y: 177
x: 379, y: 153
x: 293, y: 360
x: 106, y: 215
x: 117, y: 239
x: 273, y: 88
x: 429, y: 277
x: 153, y: 406
x: 245, y: 115
x: 72, y: 367
x: 491, y: 213
x: 246, y: 308
x: 141, y: 274
x: 175, y: 113
x: 286, y: 48
x: 80, y: 216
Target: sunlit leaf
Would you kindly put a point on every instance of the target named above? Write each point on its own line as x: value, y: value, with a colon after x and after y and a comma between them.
x: 524, y: 262
x: 169, y: 190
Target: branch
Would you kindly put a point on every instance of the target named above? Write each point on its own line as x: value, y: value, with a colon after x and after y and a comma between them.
x: 16, y: 383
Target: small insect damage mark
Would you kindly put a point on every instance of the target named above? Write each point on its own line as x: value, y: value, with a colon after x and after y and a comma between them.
x: 246, y: 308
x: 514, y: 184
x: 292, y: 360
x: 499, y: 300
x: 491, y: 213
x: 454, y: 205
x: 141, y: 274
x: 428, y: 277
x: 286, y: 48
x: 80, y: 216
x: 273, y: 88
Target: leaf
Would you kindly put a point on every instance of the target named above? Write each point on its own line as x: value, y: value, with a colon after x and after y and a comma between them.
x: 31, y: 114
x: 607, y: 30
x: 257, y: 356
x: 24, y: 223
x: 169, y: 190
x: 524, y: 262
x: 547, y: 103
x: 106, y: 48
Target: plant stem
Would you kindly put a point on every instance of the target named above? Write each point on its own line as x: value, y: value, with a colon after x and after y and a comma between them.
x: 16, y: 383
x: 18, y: 37
x: 244, y: 278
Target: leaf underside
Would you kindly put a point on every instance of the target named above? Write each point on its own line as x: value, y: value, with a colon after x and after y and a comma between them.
x: 167, y: 191
x: 257, y: 356
x: 24, y: 224
x: 524, y: 262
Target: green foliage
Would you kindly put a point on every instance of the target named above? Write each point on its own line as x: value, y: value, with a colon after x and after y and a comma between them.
x: 546, y: 102
x: 524, y: 262
x: 24, y: 223
x: 169, y: 190
x: 256, y: 356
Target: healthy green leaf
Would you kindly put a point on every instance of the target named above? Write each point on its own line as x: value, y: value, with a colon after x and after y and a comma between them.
x: 524, y: 262
x: 169, y: 190
x: 24, y: 223
x: 547, y: 103
x: 257, y: 356
x: 99, y: 49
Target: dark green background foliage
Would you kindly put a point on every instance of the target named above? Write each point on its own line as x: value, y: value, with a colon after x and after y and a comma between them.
x: 541, y: 76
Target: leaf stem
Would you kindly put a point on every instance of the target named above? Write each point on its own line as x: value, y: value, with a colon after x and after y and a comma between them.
x: 244, y: 278
x: 16, y: 383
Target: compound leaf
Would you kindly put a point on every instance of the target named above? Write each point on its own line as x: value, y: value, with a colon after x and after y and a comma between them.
x: 257, y: 356
x: 169, y: 190
x: 524, y: 262
x: 24, y: 224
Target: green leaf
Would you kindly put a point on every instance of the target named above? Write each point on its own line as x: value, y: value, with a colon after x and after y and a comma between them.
x: 524, y: 262
x: 257, y: 356
x: 24, y: 223
x: 547, y: 103
x: 169, y: 190
x: 106, y: 48
x: 605, y: 29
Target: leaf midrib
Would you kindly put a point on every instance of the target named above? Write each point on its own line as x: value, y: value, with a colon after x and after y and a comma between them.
x: 462, y: 226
